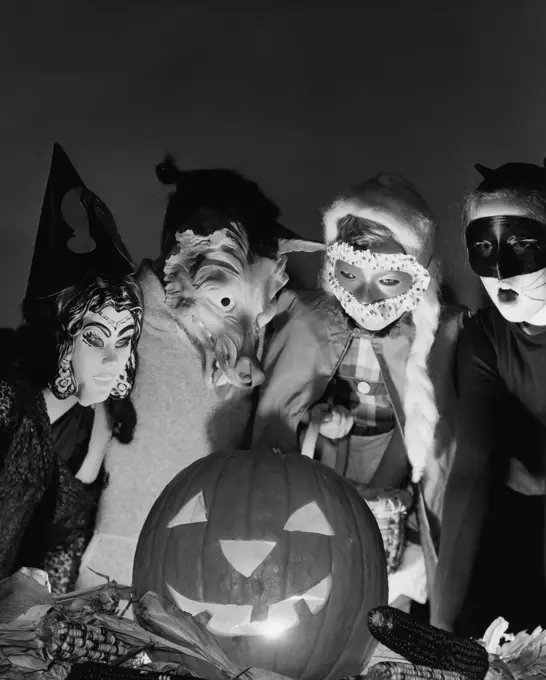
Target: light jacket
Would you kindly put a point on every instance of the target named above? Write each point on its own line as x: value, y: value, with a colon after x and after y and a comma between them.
x: 309, y: 338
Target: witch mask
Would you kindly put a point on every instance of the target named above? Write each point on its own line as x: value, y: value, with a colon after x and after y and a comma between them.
x: 99, y: 328
x: 101, y: 358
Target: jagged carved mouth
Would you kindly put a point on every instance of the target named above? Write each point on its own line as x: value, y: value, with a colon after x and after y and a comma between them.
x: 233, y: 619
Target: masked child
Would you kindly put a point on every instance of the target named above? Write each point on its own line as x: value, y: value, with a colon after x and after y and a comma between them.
x: 65, y: 381
x: 374, y: 359
x: 491, y: 559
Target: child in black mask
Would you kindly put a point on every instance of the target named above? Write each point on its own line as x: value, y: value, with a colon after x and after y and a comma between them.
x: 491, y: 558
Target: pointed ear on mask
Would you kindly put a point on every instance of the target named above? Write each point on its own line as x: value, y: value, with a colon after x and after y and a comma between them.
x: 299, y: 245
x: 484, y: 171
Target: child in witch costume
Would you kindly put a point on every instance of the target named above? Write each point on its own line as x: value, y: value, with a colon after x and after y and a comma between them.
x: 491, y: 560
x: 375, y: 358
x: 65, y: 380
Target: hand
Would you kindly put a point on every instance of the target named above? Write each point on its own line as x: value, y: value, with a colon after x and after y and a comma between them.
x: 336, y: 421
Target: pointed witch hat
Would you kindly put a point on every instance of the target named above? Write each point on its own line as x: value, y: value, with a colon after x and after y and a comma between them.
x: 77, y: 234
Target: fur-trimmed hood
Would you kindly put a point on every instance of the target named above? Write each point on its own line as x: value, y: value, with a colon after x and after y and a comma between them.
x: 391, y: 201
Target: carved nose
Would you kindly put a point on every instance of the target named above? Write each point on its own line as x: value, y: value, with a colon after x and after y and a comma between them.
x: 246, y: 556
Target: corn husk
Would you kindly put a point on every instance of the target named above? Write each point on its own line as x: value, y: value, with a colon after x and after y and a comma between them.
x: 519, y: 656
x: 171, y: 624
x: 20, y: 592
x: 31, y: 610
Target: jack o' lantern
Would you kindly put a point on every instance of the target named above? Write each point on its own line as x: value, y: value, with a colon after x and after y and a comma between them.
x: 275, y: 554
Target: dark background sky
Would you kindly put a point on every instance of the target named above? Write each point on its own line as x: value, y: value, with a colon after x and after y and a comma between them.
x: 304, y: 100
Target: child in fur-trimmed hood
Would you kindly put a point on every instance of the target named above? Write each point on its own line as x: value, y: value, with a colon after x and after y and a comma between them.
x: 374, y: 356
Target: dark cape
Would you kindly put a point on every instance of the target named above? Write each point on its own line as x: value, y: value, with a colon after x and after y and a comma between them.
x: 492, y: 551
x: 47, y: 515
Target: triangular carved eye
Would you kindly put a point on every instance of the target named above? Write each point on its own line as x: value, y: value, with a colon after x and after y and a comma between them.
x: 192, y: 512
x: 310, y: 519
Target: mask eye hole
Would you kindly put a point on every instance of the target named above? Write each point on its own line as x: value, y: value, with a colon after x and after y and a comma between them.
x: 389, y: 282
x: 93, y: 338
x: 521, y: 244
x: 483, y: 247
x: 224, y: 303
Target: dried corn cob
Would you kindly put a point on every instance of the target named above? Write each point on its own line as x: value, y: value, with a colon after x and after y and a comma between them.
x: 71, y: 641
x: 396, y: 670
x: 102, y: 671
x: 426, y: 645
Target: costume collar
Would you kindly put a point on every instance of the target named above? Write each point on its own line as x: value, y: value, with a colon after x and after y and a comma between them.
x: 157, y: 316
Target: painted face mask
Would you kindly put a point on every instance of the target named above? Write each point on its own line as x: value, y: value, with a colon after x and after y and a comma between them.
x: 97, y: 365
x: 376, y: 315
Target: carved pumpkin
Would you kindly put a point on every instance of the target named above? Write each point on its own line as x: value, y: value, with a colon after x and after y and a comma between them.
x: 275, y: 554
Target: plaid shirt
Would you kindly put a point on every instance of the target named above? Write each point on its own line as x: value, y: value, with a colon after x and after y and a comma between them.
x: 372, y: 411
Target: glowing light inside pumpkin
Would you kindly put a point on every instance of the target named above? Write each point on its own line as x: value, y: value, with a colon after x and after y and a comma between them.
x: 245, y: 556
x: 274, y: 629
x: 233, y: 619
x: 320, y: 530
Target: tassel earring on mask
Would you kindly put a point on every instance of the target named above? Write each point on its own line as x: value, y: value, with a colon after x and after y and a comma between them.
x: 64, y: 385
